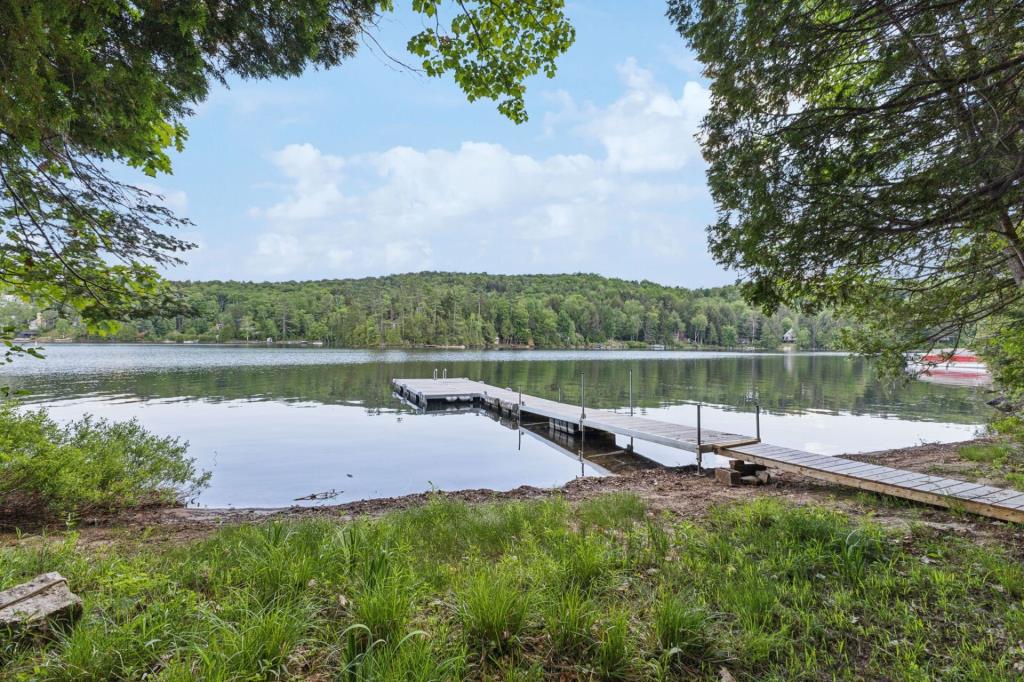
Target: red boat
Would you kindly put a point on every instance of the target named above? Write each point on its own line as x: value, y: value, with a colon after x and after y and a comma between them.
x: 958, y: 366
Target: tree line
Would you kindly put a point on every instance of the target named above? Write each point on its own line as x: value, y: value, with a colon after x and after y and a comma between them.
x: 472, y: 310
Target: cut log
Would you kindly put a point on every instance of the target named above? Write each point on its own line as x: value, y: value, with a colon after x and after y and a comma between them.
x: 727, y: 476
x: 43, y: 600
x: 763, y: 476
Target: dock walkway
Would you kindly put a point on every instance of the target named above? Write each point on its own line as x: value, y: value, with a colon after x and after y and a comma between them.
x: 999, y: 503
x: 424, y: 391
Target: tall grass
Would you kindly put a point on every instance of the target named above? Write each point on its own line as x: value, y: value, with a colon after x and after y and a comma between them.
x: 494, y: 607
x: 528, y: 590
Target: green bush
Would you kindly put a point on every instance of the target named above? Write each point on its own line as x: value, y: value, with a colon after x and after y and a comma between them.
x: 88, y: 466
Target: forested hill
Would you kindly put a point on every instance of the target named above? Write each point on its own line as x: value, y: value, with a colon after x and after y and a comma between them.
x: 475, y: 310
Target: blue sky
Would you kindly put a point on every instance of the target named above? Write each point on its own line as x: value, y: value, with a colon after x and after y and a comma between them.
x: 368, y: 169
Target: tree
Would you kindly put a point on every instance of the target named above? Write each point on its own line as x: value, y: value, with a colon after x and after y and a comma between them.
x: 729, y: 336
x: 566, y: 328
x: 247, y: 327
x: 468, y: 308
x: 88, y: 86
x: 699, y: 322
x: 868, y: 154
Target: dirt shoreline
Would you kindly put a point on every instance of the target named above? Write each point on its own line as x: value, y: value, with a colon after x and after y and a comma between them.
x: 683, y: 493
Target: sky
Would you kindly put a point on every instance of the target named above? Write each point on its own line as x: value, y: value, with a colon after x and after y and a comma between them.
x: 369, y: 169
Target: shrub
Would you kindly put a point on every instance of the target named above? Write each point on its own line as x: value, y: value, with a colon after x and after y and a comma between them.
x: 87, y: 466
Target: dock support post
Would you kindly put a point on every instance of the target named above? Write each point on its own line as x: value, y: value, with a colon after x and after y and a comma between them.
x: 583, y: 400
x: 445, y: 373
x: 631, y: 405
x: 700, y: 446
x: 757, y: 419
x: 519, y: 411
x: 583, y: 414
x: 630, y: 393
x: 435, y: 374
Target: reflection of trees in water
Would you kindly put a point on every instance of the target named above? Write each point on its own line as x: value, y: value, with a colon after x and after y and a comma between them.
x: 779, y: 383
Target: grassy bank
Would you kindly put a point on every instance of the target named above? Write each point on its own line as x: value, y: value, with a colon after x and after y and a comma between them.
x: 1001, y: 462
x: 525, y: 590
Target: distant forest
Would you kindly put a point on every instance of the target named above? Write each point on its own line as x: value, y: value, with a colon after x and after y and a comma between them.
x: 452, y: 309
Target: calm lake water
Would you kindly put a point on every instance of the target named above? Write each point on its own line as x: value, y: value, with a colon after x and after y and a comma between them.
x: 276, y: 424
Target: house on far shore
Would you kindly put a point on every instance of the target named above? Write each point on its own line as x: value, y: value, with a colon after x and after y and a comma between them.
x: 789, y: 336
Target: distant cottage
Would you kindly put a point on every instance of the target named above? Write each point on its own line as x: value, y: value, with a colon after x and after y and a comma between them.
x: 789, y: 337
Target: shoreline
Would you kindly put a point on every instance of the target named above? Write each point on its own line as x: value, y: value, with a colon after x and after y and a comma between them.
x: 612, y: 347
x: 681, y: 493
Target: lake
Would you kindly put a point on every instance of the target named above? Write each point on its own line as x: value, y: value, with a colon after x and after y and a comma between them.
x: 275, y: 424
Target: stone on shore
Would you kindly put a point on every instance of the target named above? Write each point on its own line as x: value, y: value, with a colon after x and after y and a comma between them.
x: 44, y: 600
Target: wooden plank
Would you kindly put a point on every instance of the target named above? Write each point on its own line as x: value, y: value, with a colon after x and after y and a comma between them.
x: 999, y: 496
x: 731, y: 444
x: 963, y: 488
x: 892, y: 475
x: 908, y: 481
x: 865, y: 470
x: 1005, y: 513
x: 940, y: 485
x: 927, y: 483
x: 845, y: 465
x: 764, y: 449
x: 981, y: 492
x: 795, y: 457
x: 1013, y: 502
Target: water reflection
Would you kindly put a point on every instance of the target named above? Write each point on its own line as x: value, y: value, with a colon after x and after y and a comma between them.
x: 790, y: 383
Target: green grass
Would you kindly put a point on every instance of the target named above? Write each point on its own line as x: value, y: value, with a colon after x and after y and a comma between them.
x: 990, y: 453
x: 1001, y: 461
x: 495, y: 606
x: 525, y: 591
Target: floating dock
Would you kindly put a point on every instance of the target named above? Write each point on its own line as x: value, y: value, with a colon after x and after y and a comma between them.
x: 998, y: 503
x: 566, y: 417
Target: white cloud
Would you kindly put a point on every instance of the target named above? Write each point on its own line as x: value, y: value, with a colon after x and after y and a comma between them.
x: 649, y: 128
x: 405, y: 209
x: 315, y: 178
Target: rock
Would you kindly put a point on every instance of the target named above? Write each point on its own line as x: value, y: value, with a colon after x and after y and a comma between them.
x: 43, y: 600
x: 727, y: 476
x: 1003, y: 404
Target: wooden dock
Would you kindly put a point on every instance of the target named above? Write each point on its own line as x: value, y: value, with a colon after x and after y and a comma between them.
x: 422, y: 392
x: 998, y: 503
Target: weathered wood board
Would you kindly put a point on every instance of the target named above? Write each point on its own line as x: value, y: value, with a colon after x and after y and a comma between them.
x: 45, y: 598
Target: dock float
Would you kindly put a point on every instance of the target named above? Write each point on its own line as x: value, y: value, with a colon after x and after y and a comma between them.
x: 984, y: 500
